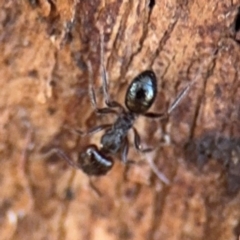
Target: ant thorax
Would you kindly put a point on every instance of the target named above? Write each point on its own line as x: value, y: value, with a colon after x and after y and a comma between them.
x: 113, y: 139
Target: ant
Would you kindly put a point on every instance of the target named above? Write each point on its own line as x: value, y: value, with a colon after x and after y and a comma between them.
x: 140, y: 96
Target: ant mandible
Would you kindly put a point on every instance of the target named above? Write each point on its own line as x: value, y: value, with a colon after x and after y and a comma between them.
x: 139, y: 97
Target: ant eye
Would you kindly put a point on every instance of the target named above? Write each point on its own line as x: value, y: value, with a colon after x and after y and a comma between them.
x: 142, y: 92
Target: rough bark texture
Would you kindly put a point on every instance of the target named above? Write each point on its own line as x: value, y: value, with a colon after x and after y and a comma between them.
x: 43, y: 95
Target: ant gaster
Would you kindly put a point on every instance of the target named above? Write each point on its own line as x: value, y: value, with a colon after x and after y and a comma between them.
x: 139, y: 97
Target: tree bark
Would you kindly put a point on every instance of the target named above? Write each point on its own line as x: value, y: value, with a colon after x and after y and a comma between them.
x: 46, y: 47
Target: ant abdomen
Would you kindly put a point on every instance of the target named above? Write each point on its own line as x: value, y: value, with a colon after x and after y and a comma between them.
x: 141, y: 92
x: 94, y: 162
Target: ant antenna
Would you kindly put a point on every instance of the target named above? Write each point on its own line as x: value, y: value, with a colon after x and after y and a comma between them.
x: 186, y: 89
x: 62, y: 155
x: 181, y: 96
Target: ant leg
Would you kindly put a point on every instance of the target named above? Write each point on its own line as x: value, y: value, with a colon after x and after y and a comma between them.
x: 125, y: 150
x: 155, y: 115
x: 93, y: 130
x: 137, y: 142
x: 64, y: 156
x: 155, y: 169
x: 94, y: 188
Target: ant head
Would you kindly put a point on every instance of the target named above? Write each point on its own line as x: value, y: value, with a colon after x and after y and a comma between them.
x: 141, y: 92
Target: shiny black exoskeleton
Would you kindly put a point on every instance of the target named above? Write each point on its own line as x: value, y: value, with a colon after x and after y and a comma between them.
x: 139, y: 97
x: 141, y: 92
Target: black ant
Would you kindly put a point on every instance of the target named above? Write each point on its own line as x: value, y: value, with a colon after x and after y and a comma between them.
x: 139, y: 97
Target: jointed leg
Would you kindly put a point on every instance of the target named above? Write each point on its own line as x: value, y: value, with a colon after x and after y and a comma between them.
x: 137, y: 142
x: 125, y: 150
x: 155, y: 115
x: 94, y: 188
x: 158, y: 173
x: 62, y: 155
x: 93, y: 130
